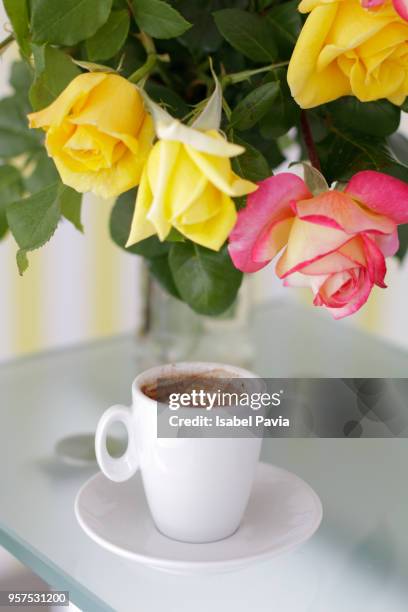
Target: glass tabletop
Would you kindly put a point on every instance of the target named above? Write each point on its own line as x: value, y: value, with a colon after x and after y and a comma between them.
x: 357, y: 561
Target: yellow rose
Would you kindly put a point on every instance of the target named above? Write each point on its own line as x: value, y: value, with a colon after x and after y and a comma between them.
x: 98, y: 134
x: 345, y: 49
x: 188, y: 181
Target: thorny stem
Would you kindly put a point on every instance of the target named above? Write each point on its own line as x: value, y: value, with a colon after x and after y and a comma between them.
x: 308, y: 140
x: 151, y: 59
x: 6, y: 42
x: 245, y: 75
x: 144, y: 70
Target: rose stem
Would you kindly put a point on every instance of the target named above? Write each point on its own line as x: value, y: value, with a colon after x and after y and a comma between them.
x: 309, y: 142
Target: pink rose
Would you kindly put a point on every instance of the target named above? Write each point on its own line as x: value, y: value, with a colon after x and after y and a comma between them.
x: 335, y: 243
x: 401, y: 6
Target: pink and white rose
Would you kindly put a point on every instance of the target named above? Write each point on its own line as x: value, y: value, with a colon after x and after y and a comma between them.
x: 335, y: 243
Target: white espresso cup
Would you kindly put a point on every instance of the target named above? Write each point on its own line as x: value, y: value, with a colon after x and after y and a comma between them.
x: 197, y: 489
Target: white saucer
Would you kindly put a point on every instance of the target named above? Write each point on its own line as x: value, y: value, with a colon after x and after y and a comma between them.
x: 283, y: 512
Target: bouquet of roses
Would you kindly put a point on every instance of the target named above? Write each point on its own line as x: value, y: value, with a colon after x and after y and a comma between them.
x: 180, y: 111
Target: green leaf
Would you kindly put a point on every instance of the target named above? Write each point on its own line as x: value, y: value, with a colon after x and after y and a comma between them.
x: 203, y: 38
x: 110, y: 38
x: 404, y: 106
x: 11, y: 188
x: 67, y: 22
x: 17, y: 11
x: 55, y: 70
x: 251, y: 165
x: 401, y: 172
x: 379, y: 118
x: 92, y: 67
x: 248, y: 33
x: 314, y: 179
x: 22, y: 261
x: 399, y: 146
x: 283, y: 112
x: 119, y: 225
x: 403, y: 239
x: 159, y: 19
x: 343, y: 153
x: 71, y: 204
x: 169, y: 98
x: 43, y: 172
x: 21, y: 77
x: 254, y: 106
x: 269, y: 148
x: 206, y: 280
x: 33, y: 221
x: 285, y: 23
x: 15, y: 136
x: 160, y: 269
x: 175, y: 236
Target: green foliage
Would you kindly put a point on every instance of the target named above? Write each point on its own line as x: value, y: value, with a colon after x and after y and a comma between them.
x: 248, y: 33
x: 398, y: 144
x: 54, y: 70
x: 314, y: 179
x: 14, y: 137
x: 403, y: 238
x: 67, y: 22
x: 11, y: 188
x: 249, y: 43
x: 285, y: 25
x: 254, y: 106
x: 43, y: 171
x: 120, y: 223
x: 203, y: 37
x: 342, y: 153
x: 33, y: 221
x: 174, y: 104
x: 159, y: 268
x: 206, y: 280
x: 159, y: 19
x: 110, y: 38
x: 379, y: 118
x: 283, y: 113
x: 252, y: 165
x: 17, y: 11
x: 71, y: 206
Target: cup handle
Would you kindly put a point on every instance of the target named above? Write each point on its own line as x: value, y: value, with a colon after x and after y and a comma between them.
x: 121, y: 468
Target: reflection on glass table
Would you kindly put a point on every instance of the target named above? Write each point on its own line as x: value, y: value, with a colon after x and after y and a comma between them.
x: 358, y: 560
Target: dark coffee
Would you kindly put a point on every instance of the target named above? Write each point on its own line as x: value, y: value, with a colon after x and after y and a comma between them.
x: 211, y: 382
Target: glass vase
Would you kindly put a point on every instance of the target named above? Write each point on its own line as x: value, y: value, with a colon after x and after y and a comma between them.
x: 170, y: 331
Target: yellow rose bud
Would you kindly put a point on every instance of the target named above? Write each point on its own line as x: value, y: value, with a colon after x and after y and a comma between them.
x: 345, y: 49
x: 98, y: 134
x: 187, y: 184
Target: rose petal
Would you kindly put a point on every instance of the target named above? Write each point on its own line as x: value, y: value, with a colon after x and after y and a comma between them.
x: 345, y: 292
x: 218, y: 171
x: 389, y: 244
x: 353, y: 249
x: 371, y: 3
x: 307, y: 243
x: 401, y: 6
x: 338, y: 210
x: 77, y: 90
x: 381, y: 193
x: 272, y: 240
x: 267, y: 206
x: 359, y: 300
x: 375, y: 261
x: 334, y: 262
